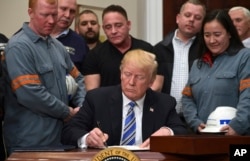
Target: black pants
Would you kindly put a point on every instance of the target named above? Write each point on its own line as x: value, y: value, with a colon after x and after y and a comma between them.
x: 2, y: 149
x: 189, y: 130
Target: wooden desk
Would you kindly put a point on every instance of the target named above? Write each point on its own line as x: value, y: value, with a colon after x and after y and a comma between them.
x: 171, y: 148
x: 196, y: 147
x: 77, y: 155
x: 87, y: 155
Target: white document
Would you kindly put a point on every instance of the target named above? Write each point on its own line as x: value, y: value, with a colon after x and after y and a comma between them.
x: 130, y: 147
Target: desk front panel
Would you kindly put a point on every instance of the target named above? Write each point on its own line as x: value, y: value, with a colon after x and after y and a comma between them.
x: 76, y: 155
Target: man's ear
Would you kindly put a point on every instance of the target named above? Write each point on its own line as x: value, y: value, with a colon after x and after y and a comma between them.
x: 30, y: 12
x: 129, y: 24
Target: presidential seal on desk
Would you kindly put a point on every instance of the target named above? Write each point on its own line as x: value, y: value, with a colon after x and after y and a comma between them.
x: 115, y: 154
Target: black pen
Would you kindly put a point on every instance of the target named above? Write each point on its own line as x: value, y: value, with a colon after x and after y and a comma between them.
x: 99, y: 126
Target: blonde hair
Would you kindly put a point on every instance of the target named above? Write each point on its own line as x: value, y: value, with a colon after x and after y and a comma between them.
x: 142, y: 59
x: 32, y: 3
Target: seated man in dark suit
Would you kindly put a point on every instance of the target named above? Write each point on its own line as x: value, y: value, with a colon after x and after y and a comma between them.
x: 154, y: 112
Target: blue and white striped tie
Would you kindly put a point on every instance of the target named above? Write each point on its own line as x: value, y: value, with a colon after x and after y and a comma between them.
x: 128, y: 137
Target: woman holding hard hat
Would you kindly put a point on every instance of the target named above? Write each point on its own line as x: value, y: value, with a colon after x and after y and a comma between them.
x: 220, y: 77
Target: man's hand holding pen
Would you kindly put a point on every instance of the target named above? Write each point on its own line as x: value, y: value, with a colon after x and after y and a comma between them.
x: 96, y: 138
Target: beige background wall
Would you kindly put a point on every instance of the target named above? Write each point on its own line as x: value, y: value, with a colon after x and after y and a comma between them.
x: 145, y: 16
x: 14, y: 12
x: 129, y: 5
x: 12, y: 15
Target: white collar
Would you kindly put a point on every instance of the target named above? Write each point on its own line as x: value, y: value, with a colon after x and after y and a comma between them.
x: 65, y: 32
x: 126, y: 101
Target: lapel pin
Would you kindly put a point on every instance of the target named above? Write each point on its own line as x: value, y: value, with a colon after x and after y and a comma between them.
x: 151, y: 109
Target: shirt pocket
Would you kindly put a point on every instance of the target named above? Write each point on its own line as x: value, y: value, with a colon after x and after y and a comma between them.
x: 47, y: 75
x: 226, y: 84
x: 226, y: 75
x: 194, y: 80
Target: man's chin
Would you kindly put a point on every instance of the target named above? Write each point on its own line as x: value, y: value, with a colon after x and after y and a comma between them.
x: 63, y: 25
x: 116, y: 43
x: 91, y: 40
x: 130, y: 93
x: 46, y: 33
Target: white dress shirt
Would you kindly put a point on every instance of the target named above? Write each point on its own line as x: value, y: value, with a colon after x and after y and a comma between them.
x: 138, y: 109
x: 246, y: 42
x: 180, y: 68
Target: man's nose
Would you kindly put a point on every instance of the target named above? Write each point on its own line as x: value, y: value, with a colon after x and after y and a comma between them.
x: 89, y: 25
x: 132, y: 80
x: 67, y: 13
x: 51, y: 19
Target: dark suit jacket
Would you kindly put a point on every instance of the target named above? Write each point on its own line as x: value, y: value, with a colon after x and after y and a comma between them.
x: 105, y: 105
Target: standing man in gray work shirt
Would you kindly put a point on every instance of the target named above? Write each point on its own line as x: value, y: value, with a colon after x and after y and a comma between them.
x: 36, y: 65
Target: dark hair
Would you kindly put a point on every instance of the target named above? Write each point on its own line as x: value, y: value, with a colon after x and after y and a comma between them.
x: 224, y: 19
x: 115, y: 8
x: 86, y: 12
x: 3, y: 38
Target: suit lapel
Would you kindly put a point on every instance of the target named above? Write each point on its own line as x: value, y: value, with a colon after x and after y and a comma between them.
x: 115, y: 107
x: 148, y: 118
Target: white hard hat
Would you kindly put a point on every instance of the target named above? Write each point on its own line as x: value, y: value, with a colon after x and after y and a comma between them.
x: 71, y: 86
x: 222, y: 115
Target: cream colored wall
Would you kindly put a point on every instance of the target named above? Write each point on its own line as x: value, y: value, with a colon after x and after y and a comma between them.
x: 12, y: 15
x: 145, y: 16
x: 14, y: 12
x: 129, y: 5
